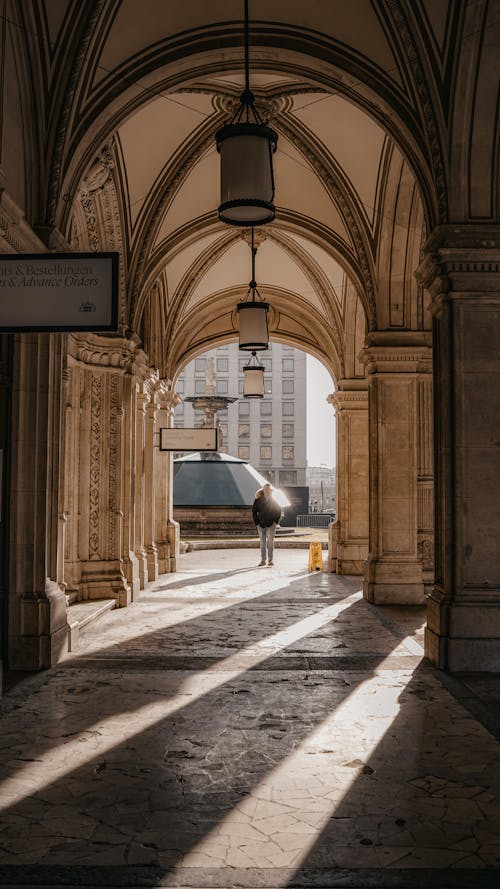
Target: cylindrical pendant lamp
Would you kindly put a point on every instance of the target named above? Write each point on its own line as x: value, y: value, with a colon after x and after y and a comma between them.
x: 246, y: 146
x: 246, y: 169
x: 253, y: 326
x: 253, y: 379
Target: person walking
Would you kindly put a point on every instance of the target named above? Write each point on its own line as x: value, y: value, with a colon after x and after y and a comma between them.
x: 266, y: 515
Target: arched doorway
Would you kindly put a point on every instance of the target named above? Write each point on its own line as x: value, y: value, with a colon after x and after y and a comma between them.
x: 369, y: 140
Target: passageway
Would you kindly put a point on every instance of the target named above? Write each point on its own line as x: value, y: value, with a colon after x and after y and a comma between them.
x: 249, y: 727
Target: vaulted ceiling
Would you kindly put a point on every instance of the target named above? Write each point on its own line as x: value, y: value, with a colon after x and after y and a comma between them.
x: 131, y: 94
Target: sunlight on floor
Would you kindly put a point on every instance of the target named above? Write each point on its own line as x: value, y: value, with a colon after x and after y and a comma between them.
x: 106, y: 734
x: 284, y: 816
x: 261, y: 582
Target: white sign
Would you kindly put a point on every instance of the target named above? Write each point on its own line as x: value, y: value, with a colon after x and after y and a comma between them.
x: 199, y: 439
x: 58, y: 292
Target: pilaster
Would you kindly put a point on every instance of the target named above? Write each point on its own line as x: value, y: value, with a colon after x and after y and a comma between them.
x: 167, y: 529
x: 95, y: 467
x: 397, y: 366
x: 150, y: 457
x: 140, y: 486
x: 461, y: 271
x: 348, y: 536
x: 37, y: 605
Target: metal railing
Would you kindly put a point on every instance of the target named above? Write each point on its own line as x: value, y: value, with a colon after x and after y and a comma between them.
x: 314, y: 520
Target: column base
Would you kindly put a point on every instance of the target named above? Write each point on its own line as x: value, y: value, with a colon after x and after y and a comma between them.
x: 393, y: 583
x: 463, y: 637
x: 43, y: 638
x: 152, y: 559
x: 105, y: 580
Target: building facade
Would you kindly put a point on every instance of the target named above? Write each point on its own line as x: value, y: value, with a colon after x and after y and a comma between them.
x: 269, y: 433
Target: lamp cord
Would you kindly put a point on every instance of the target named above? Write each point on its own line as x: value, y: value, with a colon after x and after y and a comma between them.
x: 247, y: 42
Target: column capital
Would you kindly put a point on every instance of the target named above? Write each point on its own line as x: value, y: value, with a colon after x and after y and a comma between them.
x: 402, y: 352
x: 168, y: 400
x: 461, y: 260
x: 350, y: 399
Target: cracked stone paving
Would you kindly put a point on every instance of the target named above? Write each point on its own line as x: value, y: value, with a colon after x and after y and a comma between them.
x: 243, y: 726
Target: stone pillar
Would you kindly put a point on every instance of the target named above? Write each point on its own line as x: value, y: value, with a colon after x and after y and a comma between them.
x: 167, y: 529
x: 425, y: 481
x: 130, y: 562
x: 150, y: 458
x: 348, y: 536
x: 97, y: 460
x: 140, y: 487
x: 396, y: 364
x: 461, y: 270
x: 38, y: 632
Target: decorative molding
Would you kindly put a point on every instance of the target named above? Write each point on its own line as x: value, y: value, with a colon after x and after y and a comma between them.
x: 116, y: 414
x: 353, y: 224
x: 15, y: 233
x: 89, y: 24
x: 428, y: 109
x: 95, y: 466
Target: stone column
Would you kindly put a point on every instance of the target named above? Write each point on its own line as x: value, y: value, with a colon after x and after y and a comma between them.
x: 150, y: 457
x: 167, y: 529
x: 396, y: 364
x: 130, y: 562
x: 348, y: 535
x: 38, y: 632
x: 140, y: 487
x: 461, y: 270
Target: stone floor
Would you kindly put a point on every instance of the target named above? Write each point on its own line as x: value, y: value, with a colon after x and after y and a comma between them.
x: 250, y: 727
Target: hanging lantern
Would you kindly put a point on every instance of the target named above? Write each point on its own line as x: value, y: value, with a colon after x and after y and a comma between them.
x: 246, y: 146
x: 253, y: 379
x: 253, y: 315
x: 254, y: 332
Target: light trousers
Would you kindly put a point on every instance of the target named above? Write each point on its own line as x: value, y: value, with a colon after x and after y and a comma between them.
x: 267, y: 542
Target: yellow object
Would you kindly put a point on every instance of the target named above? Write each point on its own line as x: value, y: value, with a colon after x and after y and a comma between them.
x: 315, y: 557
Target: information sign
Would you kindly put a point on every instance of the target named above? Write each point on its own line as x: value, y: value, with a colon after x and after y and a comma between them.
x: 58, y: 292
x: 199, y: 439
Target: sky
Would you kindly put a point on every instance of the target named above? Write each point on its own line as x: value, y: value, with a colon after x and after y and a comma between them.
x: 320, y: 415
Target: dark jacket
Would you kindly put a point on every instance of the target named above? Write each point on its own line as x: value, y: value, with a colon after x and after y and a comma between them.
x: 265, y: 510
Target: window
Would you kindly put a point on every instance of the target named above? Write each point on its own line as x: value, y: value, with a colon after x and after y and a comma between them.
x: 243, y: 409
x: 222, y: 387
x: 288, y: 452
x: 199, y: 386
x: 287, y: 387
x: 287, y: 430
x: 266, y: 452
x: 288, y: 476
x: 267, y: 364
x: 287, y: 364
x: 266, y: 408
x: 266, y: 430
x: 179, y: 386
x: 222, y: 364
x: 178, y: 424
x: 243, y: 452
x: 268, y: 385
x: 242, y: 362
x: 240, y: 387
x: 287, y: 408
x: 179, y: 410
x: 243, y: 430
x: 200, y: 364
